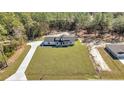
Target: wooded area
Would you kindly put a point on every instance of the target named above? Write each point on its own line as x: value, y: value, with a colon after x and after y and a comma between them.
x: 19, y: 27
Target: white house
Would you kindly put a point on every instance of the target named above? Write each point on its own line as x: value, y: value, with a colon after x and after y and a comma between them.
x: 62, y: 39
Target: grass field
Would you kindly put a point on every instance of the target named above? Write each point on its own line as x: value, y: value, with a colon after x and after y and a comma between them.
x: 61, y: 63
x: 116, y: 67
x: 11, y: 69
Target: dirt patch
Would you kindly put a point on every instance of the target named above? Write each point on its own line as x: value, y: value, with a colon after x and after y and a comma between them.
x: 16, y: 54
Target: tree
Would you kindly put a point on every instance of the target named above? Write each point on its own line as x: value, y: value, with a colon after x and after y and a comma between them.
x: 102, y: 22
x: 118, y: 25
x: 83, y: 19
x: 3, y: 31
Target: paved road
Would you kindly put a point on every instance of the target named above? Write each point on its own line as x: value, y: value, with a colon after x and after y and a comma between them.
x: 20, y: 73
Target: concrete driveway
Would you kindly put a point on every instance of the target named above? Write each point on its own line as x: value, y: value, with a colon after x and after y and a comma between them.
x: 99, y: 60
x: 20, y: 73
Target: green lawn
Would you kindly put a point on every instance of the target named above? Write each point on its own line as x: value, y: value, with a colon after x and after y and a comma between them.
x: 11, y: 69
x: 61, y: 63
x: 115, y: 65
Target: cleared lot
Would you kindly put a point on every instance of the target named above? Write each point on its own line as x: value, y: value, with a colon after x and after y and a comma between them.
x: 61, y: 63
x: 117, y: 68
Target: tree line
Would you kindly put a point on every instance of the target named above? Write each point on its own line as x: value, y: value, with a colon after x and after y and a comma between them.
x: 19, y: 27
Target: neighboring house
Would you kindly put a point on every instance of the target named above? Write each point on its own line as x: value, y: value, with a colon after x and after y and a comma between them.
x: 59, y: 40
x: 116, y: 50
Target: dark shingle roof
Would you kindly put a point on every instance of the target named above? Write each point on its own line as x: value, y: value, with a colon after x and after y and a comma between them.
x: 116, y: 48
